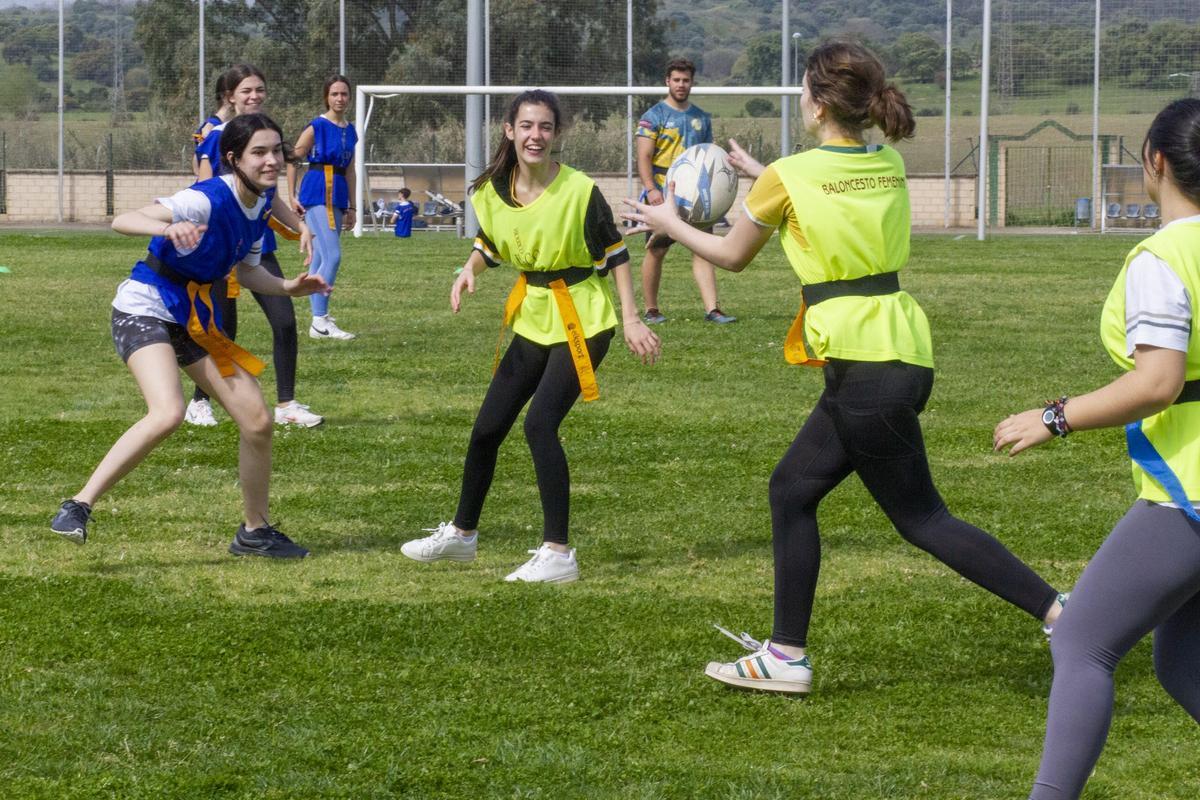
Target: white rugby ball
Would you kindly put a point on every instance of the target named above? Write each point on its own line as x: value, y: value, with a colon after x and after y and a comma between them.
x: 705, y: 184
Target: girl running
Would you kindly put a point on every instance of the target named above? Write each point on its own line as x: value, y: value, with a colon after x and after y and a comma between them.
x: 327, y: 194
x: 247, y: 93
x: 842, y: 211
x: 164, y: 318
x: 551, y: 223
x: 1146, y: 575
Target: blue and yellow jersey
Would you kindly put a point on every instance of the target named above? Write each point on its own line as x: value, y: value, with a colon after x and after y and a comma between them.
x: 324, y: 183
x: 672, y: 132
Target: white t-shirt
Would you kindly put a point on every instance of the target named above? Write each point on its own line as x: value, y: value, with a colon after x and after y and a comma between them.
x: 142, y: 299
x: 1158, y: 308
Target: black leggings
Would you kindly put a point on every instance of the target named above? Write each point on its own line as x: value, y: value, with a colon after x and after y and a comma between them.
x: 281, y: 316
x: 866, y: 422
x: 547, y: 374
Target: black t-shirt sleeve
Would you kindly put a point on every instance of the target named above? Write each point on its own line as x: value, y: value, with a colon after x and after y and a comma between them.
x: 604, y: 241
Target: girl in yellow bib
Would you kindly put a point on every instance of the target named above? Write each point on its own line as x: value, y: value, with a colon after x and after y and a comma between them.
x: 1146, y: 575
x: 551, y: 223
x: 842, y: 211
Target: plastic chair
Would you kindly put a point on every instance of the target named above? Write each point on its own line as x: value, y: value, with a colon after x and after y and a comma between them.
x: 1083, y: 210
x: 1113, y: 211
x: 1150, y: 211
x: 1133, y: 211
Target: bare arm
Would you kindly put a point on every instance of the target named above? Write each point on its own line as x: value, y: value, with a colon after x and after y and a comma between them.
x: 204, y: 169
x: 157, y: 220
x: 732, y: 251
x: 352, y: 209
x: 285, y: 214
x: 645, y: 165
x: 1156, y: 380
x: 641, y: 340
x: 257, y: 279
x: 466, y: 279
x: 304, y: 143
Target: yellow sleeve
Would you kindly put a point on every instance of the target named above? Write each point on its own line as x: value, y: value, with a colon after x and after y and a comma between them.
x: 768, y: 203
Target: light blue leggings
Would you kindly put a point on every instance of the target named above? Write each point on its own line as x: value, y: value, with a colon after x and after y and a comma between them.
x: 327, y: 252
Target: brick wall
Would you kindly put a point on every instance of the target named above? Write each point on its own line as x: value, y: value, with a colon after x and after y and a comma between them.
x: 32, y: 195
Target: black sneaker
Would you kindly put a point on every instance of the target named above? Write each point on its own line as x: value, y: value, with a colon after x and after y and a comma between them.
x: 264, y: 541
x: 71, y: 521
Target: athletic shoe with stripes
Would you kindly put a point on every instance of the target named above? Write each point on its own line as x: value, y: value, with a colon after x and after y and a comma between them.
x: 1062, y: 602
x: 762, y: 670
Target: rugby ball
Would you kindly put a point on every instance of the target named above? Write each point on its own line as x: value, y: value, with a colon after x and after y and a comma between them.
x: 705, y: 184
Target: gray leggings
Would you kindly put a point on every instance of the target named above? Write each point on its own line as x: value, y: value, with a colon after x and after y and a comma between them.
x: 1145, y: 577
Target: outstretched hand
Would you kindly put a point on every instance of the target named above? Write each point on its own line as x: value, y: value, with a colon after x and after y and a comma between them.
x: 305, y: 284
x: 742, y: 160
x: 642, y: 341
x: 651, y: 218
x: 465, y: 280
x: 1021, y: 432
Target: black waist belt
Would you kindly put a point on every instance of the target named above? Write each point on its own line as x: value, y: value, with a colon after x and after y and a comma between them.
x: 336, y: 170
x: 571, y: 275
x: 866, y: 286
x: 1190, y: 393
x: 154, y: 263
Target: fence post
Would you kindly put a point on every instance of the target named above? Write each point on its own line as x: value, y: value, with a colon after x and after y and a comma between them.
x: 3, y: 172
x: 109, y: 207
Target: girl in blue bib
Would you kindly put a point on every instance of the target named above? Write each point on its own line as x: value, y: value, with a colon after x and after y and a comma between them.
x: 246, y: 91
x: 165, y: 318
x: 326, y: 198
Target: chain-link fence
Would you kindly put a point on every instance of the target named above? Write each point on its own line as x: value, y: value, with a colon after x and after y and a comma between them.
x: 133, y: 71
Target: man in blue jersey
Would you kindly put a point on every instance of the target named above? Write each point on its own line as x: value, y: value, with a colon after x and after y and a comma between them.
x: 666, y: 130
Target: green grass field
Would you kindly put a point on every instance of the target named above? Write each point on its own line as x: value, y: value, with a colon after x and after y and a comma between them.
x: 151, y: 664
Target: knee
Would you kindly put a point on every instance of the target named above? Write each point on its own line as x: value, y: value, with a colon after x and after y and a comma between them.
x: 257, y: 426
x: 486, y: 437
x: 787, y: 491
x: 163, y: 422
x: 1073, y: 649
x: 540, y: 431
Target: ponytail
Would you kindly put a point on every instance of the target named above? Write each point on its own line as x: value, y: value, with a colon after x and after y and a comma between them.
x: 890, y: 110
x: 505, y: 158
x: 849, y: 81
x: 1175, y: 133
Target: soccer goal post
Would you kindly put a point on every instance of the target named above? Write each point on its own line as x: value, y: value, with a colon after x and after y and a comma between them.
x: 365, y: 97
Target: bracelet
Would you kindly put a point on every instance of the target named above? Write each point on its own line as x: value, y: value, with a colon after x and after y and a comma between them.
x: 1054, y: 417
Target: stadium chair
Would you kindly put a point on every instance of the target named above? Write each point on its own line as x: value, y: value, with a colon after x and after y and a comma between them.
x: 429, y: 209
x: 1113, y: 211
x: 1133, y: 211
x: 1150, y: 212
x: 1083, y: 210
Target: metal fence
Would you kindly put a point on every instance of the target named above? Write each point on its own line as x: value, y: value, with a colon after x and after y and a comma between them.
x: 112, y: 86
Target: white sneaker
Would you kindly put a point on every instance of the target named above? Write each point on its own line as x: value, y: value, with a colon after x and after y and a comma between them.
x: 762, y: 670
x: 326, y: 328
x: 296, y: 414
x: 445, y: 543
x: 547, y: 566
x: 199, y: 412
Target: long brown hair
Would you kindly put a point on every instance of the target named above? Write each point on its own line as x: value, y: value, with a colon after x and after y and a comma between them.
x: 505, y: 158
x: 849, y: 81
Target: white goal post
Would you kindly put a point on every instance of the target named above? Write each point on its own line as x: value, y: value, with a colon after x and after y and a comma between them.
x: 364, y: 103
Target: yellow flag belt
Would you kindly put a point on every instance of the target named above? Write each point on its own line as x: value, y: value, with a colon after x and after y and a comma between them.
x: 559, y: 282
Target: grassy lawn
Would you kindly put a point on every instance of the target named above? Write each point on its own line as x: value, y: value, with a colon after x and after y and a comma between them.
x: 151, y: 664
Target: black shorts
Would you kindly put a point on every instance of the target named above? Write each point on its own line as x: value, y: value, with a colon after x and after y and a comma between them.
x: 131, y: 333
x: 662, y: 241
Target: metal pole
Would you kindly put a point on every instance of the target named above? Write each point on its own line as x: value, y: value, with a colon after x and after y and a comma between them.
x: 61, y: 154
x: 487, y: 74
x: 785, y: 133
x: 629, y: 99
x: 1097, y: 200
x: 200, y: 62
x: 361, y: 117
x: 981, y: 182
x: 946, y: 135
x: 796, y: 76
x: 341, y: 37
x: 475, y: 159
